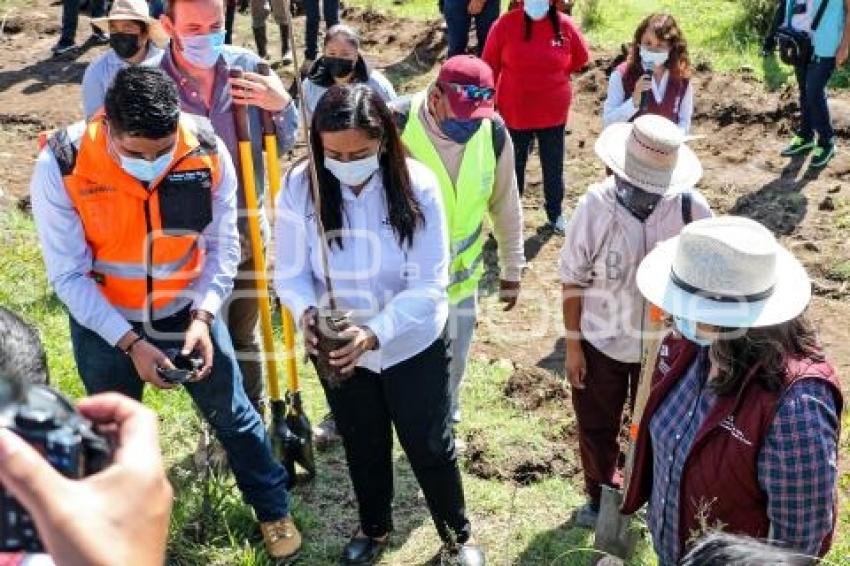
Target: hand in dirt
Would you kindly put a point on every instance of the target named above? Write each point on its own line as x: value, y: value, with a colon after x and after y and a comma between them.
x: 842, y: 54
x: 475, y: 6
x: 198, y: 340
x: 361, y: 340
x: 508, y: 293
x: 263, y: 91
x: 576, y: 365
x: 308, y: 327
x: 644, y: 84
x: 117, y: 516
x: 146, y: 358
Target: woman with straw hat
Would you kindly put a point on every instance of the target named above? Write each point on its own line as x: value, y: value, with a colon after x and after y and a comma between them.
x: 741, y: 427
x: 133, y: 36
x: 648, y: 198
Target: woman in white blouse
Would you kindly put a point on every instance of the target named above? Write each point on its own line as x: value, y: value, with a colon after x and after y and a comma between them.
x: 654, y: 79
x: 388, y: 262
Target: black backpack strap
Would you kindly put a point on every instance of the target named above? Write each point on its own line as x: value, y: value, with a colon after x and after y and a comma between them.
x: 819, y: 14
x: 500, y: 133
x: 400, y: 108
x: 64, y: 150
x: 687, y: 208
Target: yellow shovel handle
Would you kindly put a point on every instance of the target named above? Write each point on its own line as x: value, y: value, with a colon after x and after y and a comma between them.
x: 252, y: 204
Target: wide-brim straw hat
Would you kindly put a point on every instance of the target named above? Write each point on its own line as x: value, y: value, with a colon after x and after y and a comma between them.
x: 650, y: 153
x: 137, y: 10
x: 728, y: 271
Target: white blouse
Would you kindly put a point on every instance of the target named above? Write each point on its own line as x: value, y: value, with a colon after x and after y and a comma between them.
x: 397, y: 291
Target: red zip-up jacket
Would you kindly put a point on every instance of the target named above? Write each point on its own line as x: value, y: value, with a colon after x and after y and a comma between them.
x: 533, y: 77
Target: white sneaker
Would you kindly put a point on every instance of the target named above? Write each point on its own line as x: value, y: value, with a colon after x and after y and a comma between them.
x: 559, y: 226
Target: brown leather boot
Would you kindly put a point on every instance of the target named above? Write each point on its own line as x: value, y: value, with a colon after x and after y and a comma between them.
x: 283, y: 541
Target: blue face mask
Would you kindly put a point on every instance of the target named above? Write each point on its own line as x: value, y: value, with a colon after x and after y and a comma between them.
x: 144, y: 170
x: 688, y: 329
x: 459, y: 131
x: 536, y: 9
x: 203, y: 51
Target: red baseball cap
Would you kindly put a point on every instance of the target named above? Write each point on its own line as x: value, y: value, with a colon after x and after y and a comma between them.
x: 468, y: 71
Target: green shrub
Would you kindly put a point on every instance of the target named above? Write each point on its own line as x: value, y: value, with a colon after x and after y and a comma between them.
x: 759, y: 14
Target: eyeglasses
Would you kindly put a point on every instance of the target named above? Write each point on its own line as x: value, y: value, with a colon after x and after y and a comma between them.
x: 470, y: 92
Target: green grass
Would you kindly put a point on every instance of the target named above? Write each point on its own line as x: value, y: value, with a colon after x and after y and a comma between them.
x: 518, y: 524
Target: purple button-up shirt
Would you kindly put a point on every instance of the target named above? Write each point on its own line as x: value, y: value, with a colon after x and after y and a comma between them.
x: 220, y: 114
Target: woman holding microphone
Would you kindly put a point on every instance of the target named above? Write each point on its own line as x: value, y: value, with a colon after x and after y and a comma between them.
x: 388, y: 262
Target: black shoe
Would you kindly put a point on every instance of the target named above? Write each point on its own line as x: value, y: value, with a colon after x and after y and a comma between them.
x: 363, y: 550
x: 63, y: 48
x: 96, y: 38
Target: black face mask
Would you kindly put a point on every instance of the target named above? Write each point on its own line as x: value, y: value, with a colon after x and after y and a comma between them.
x: 339, y: 67
x: 637, y: 201
x: 125, y: 45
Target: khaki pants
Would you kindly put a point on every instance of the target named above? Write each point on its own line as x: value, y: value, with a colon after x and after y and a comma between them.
x: 241, y: 313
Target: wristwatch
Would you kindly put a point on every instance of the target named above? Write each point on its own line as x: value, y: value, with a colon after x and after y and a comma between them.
x: 202, y: 315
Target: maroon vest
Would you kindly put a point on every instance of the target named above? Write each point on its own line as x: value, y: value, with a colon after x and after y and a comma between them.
x: 669, y: 107
x: 720, y: 478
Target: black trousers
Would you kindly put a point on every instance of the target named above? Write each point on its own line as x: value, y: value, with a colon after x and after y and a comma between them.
x: 414, y: 397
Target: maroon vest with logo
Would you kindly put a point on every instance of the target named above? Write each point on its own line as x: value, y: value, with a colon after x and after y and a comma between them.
x: 669, y: 106
x: 720, y: 478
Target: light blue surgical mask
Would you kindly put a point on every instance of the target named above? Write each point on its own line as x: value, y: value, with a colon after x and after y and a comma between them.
x: 203, y: 51
x: 688, y: 329
x: 144, y: 170
x: 353, y: 173
x: 536, y: 9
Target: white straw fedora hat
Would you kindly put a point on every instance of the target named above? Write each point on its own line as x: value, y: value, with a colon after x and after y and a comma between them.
x: 727, y: 271
x: 650, y: 153
x: 133, y: 10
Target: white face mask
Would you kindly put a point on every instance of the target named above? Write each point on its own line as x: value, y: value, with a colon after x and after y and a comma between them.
x: 653, y: 59
x: 353, y: 173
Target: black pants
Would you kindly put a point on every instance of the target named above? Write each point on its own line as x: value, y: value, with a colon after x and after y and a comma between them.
x: 413, y: 396
x: 550, y: 142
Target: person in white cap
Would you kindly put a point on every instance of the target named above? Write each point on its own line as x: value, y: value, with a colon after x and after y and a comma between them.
x: 648, y: 198
x: 740, y: 431
x: 133, y: 36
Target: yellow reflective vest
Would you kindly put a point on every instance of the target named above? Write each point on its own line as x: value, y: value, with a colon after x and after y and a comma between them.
x: 466, y: 202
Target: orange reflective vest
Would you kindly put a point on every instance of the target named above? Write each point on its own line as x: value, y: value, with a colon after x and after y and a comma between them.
x: 145, y: 242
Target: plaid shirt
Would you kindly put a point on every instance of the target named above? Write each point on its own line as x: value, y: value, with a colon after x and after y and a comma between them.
x: 797, y: 465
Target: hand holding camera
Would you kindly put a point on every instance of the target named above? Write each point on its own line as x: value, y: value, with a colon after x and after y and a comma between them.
x: 126, y: 502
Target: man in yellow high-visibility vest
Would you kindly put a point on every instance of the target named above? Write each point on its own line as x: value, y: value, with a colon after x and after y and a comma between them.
x: 453, y: 128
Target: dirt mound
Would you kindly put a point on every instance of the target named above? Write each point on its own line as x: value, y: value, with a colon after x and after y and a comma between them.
x: 529, y: 388
x: 521, y: 464
x: 31, y: 24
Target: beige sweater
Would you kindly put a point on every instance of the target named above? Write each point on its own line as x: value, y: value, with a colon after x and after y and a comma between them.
x: 504, y: 207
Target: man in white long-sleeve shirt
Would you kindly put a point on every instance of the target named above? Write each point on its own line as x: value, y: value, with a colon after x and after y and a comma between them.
x: 136, y: 212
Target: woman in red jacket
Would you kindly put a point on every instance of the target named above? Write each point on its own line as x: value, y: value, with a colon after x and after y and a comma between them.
x: 533, y: 52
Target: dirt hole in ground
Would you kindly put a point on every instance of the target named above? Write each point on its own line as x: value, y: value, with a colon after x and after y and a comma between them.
x: 541, y: 393
x: 530, y: 388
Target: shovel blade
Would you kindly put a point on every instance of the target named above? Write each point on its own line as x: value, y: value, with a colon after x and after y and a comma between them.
x: 302, y: 434
x: 282, y: 440
x: 614, y: 532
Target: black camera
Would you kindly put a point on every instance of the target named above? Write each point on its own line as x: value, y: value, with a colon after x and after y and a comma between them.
x: 185, y: 370
x: 70, y: 443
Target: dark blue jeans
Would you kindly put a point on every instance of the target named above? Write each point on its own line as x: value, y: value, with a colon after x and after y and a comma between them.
x: 220, y: 399
x: 70, y: 15
x: 458, y: 22
x: 814, y: 110
x: 550, y: 142
x: 330, y: 10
